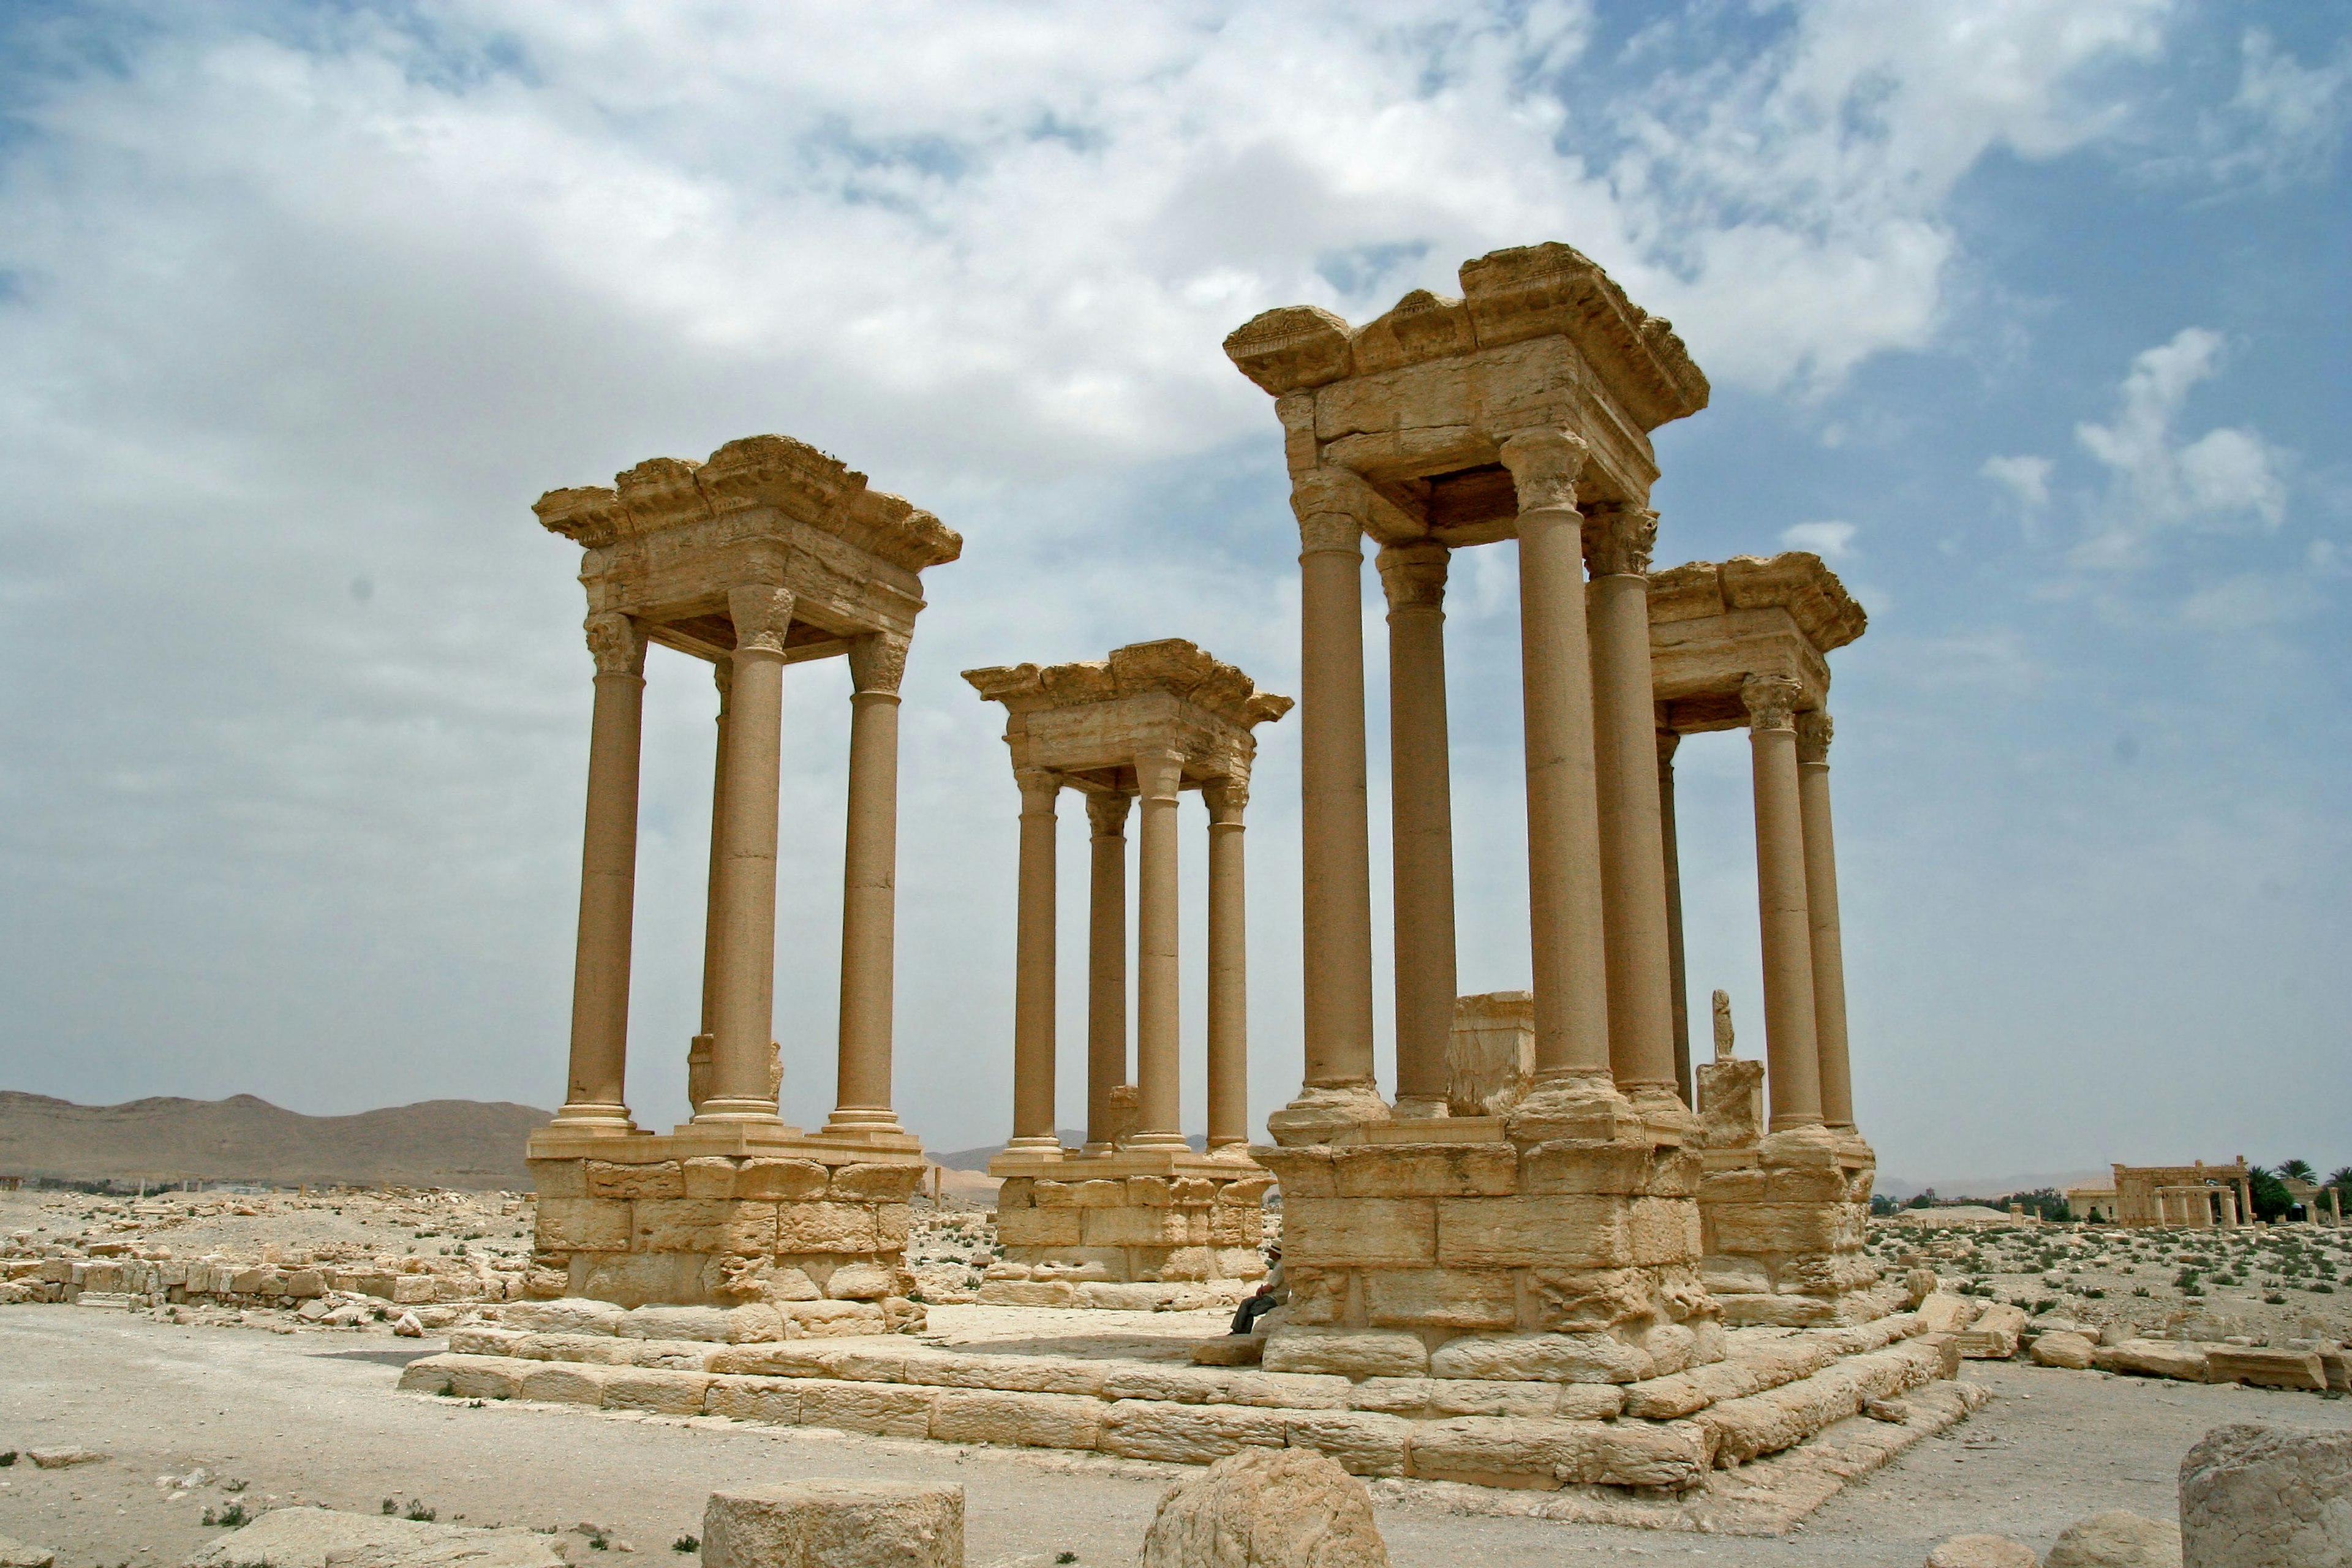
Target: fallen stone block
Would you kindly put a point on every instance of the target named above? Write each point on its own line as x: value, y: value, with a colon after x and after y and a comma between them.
x: 2071, y: 1350
x: 2154, y: 1358
x: 2267, y: 1497
x: 1259, y: 1510
x: 2115, y: 1539
x: 63, y: 1459
x: 834, y: 1524
x: 1994, y: 1334
x: 15, y: 1553
x: 316, y: 1537
x: 1983, y: 1552
x: 2265, y: 1368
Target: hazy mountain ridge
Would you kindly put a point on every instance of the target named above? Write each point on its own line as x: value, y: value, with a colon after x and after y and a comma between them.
x: 435, y: 1142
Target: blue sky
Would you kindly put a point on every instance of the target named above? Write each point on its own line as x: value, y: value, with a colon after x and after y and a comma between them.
x: 2029, y: 315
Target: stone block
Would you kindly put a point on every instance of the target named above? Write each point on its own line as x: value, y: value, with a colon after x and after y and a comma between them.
x: 570, y: 1315
x: 1666, y: 1398
x: 1244, y: 1190
x: 752, y: 1324
x: 659, y: 1390
x: 1544, y: 1358
x: 876, y: 1183
x: 1014, y: 1193
x: 2114, y: 1538
x: 1662, y: 1230
x: 704, y: 1224
x: 1982, y: 1552
x: 834, y: 1319
x: 778, y: 1179
x: 662, y: 1179
x: 1451, y: 1396
x: 1188, y: 1433
x: 793, y: 1358
x: 1575, y: 1300
x: 2266, y: 1497
x: 1285, y: 1390
x: 1348, y: 1352
x: 892, y: 1223
x: 1027, y: 1420
x: 1941, y: 1314
x: 860, y: 1283
x: 483, y: 1377
x: 563, y: 1383
x: 1397, y: 1233
x: 881, y: 1409
x: 1129, y: 1225
x: 1236, y: 1227
x: 1028, y: 1293
x: 1317, y: 1296
x: 708, y: 1176
x: 1017, y: 1375
x: 1815, y: 1185
x: 834, y: 1524
x: 1039, y: 1227
x: 1559, y: 1231
x: 1151, y: 1192
x: 1994, y: 1335
x: 1260, y: 1509
x: 1183, y: 1263
x: 2154, y: 1358
x: 1724, y: 1188
x: 412, y: 1290
x: 1236, y: 1262
x: 1122, y: 1296
x: 1304, y: 1172
x: 1766, y: 1227
x: 1045, y: 1194
x: 2263, y: 1367
x: 1359, y: 1442
x: 638, y: 1278
x: 1513, y: 1451
x: 1425, y: 1170
x: 825, y: 1226
x: 1192, y: 1190
x: 1589, y: 1170
x: 2073, y: 1351
x: 1440, y: 1297
x: 559, y: 1178
x: 774, y: 1400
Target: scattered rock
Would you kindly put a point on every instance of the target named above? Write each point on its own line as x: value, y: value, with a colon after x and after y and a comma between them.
x: 61, y: 1458
x: 318, y: 1537
x: 1983, y: 1552
x: 18, y: 1555
x: 2115, y: 1539
x: 408, y: 1328
x: 834, y: 1524
x: 1267, y: 1507
x: 2267, y: 1497
x: 2065, y: 1348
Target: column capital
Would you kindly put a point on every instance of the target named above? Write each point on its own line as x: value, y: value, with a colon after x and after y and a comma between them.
x: 1771, y: 701
x: 1813, y: 730
x: 762, y: 614
x: 1414, y: 575
x: 1039, y: 786
x: 1336, y: 507
x: 617, y: 642
x: 1545, y: 465
x: 1158, y: 774
x: 722, y: 676
x: 1227, y: 799
x: 1669, y: 743
x: 1108, y: 812
x: 1617, y: 540
x: 877, y: 662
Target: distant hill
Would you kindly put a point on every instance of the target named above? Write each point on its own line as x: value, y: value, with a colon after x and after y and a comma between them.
x: 435, y: 1143
x: 978, y: 1159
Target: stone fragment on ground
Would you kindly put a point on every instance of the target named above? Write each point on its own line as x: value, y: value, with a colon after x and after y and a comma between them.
x: 2115, y: 1539
x: 18, y: 1554
x: 62, y: 1458
x: 1267, y: 1507
x: 2061, y: 1349
x: 2267, y: 1497
x: 834, y: 1524
x: 1983, y: 1552
x: 322, y: 1538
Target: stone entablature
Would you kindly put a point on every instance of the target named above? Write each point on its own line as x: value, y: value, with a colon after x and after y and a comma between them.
x: 1713, y: 624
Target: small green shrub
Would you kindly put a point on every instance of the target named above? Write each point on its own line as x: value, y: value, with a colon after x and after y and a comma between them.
x: 686, y: 1544
x: 420, y: 1513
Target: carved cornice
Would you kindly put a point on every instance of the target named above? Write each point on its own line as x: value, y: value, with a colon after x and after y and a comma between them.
x: 1771, y: 701
x: 1795, y: 580
x: 618, y: 643
x: 1618, y: 540
x: 1414, y: 575
x: 1172, y: 665
x: 762, y: 614
x: 1544, y: 466
x: 1814, y: 728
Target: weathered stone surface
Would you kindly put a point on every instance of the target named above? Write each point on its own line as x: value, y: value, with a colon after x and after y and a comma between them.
x: 1440, y: 1297
x: 658, y: 1389
x: 1363, y: 1443
x: 767, y: 1177
x: 860, y: 1283
x: 583, y: 1225
x: 2115, y: 1539
x: 1376, y: 1232
x: 1994, y: 1334
x: 2264, y: 1367
x: 1277, y: 1508
x: 834, y: 1524
x: 2064, y: 1350
x: 15, y: 1553
x: 1188, y: 1433
x: 557, y: 1384
x: 1982, y: 1552
x: 825, y: 1226
x: 1548, y: 1358
x: 2154, y: 1358
x: 770, y: 1399
x: 307, y: 1537
x: 1511, y: 1451
x: 1349, y: 1352
x: 663, y: 1179
x: 1031, y: 1420
x: 876, y: 1408
x: 715, y: 1325
x: 2267, y: 1497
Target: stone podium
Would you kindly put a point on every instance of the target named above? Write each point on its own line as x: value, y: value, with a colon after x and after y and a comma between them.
x: 768, y: 554
x: 1135, y: 1204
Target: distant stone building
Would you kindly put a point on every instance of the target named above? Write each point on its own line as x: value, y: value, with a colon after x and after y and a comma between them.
x: 2198, y: 1196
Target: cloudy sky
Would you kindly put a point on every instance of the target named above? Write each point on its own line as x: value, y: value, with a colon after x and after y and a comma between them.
x: 2029, y: 315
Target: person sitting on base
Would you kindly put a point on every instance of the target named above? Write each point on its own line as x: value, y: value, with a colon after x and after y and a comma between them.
x: 1271, y: 1294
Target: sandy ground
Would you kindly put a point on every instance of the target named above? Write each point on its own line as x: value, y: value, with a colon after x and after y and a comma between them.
x: 422, y: 1223
x: 315, y: 1417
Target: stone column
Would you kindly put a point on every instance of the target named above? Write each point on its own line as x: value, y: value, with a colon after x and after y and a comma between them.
x: 1790, y: 1044
x: 1227, y: 799
x: 1564, y: 905
x: 1159, y: 1107
x: 697, y: 1053
x: 1617, y: 541
x: 870, y: 896
x: 1335, y: 829
x: 593, y: 1101
x: 1678, y: 975
x: 1106, y: 967
x: 1421, y: 805
x: 1033, y: 965
x: 1813, y: 730
x: 742, y: 1087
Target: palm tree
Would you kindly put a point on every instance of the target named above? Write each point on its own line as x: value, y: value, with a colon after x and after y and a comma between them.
x: 2299, y: 1169
x: 2341, y: 1177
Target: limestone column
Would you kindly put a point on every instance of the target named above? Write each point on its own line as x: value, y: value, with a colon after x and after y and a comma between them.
x: 1813, y: 731
x: 1335, y: 829
x: 1033, y: 966
x: 608, y: 882
x: 1678, y: 976
x: 742, y: 1088
x: 697, y: 1053
x: 1105, y: 966
x: 1159, y: 1109
x: 1421, y: 805
x: 1564, y: 905
x: 1227, y: 799
x: 869, y: 897
x: 1789, y: 1043
x: 1617, y: 541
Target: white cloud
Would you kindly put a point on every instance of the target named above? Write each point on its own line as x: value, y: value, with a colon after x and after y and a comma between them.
x: 1830, y: 541
x: 2027, y: 479
x: 2287, y: 120
x: 2226, y: 479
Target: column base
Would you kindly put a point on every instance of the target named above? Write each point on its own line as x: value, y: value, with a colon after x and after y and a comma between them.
x: 720, y: 1110
x: 863, y: 1122
x: 598, y: 1120
x: 1157, y: 1141
x: 1322, y: 1109
x: 1421, y: 1107
x: 1040, y: 1147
